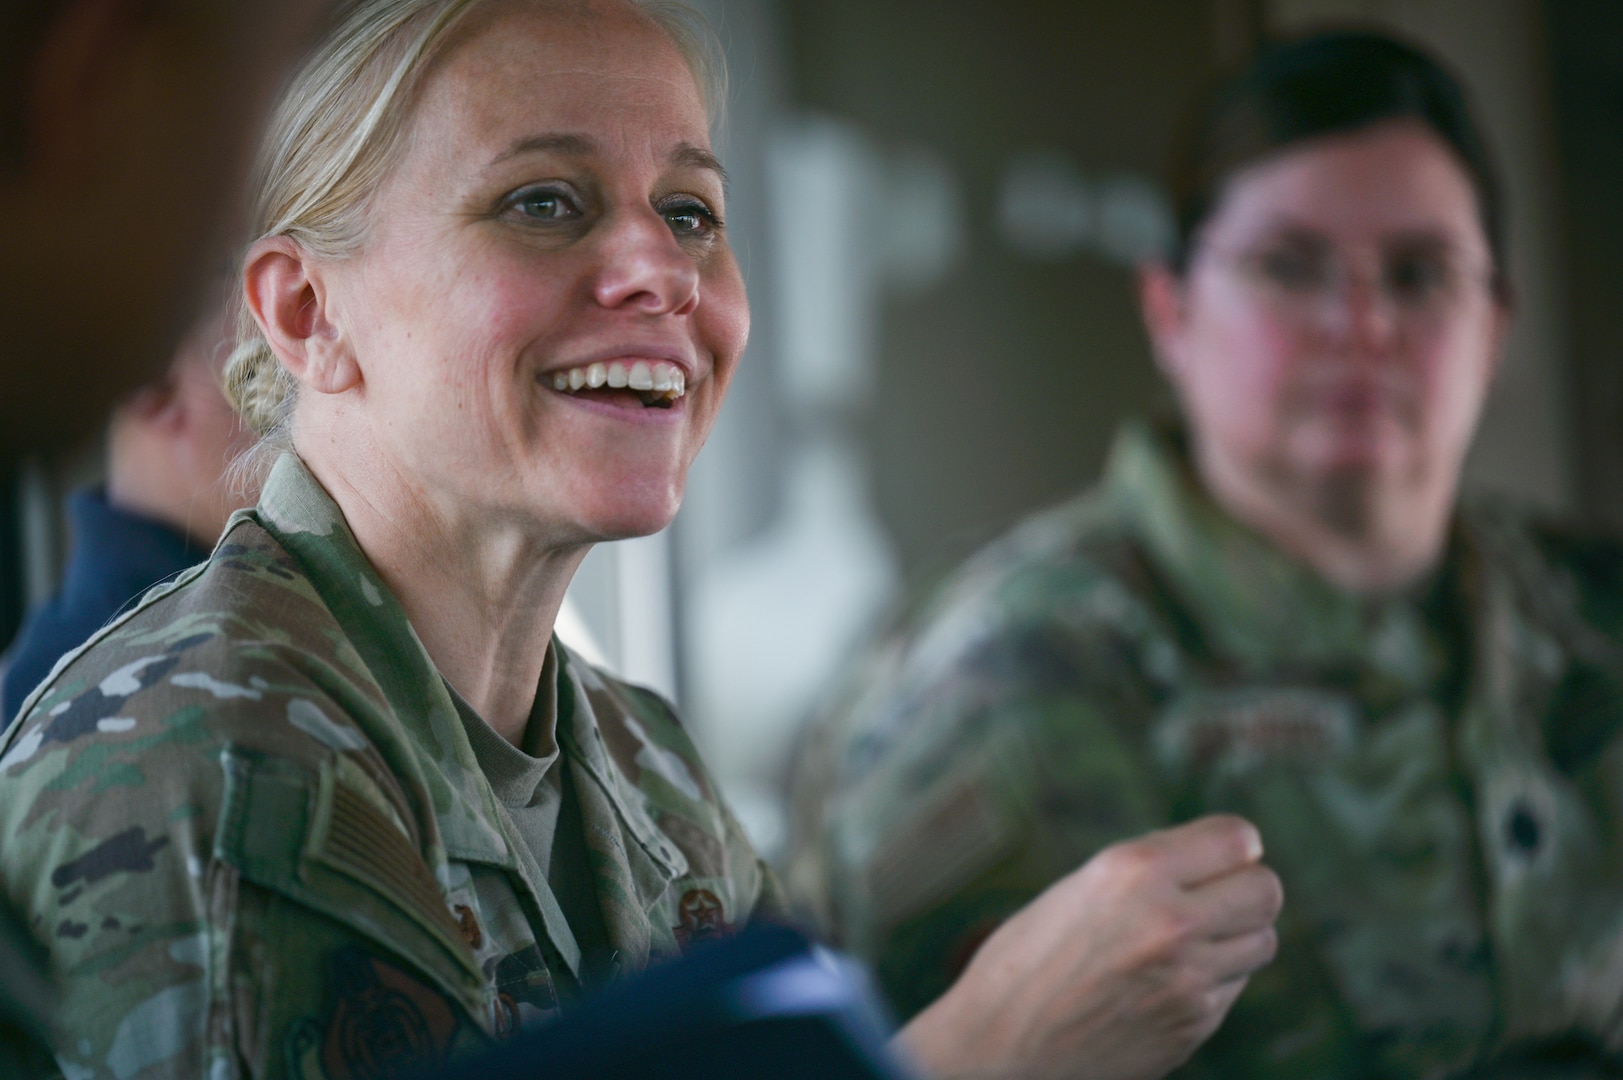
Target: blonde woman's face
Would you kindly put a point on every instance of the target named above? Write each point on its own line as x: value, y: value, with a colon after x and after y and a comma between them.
x: 547, y: 314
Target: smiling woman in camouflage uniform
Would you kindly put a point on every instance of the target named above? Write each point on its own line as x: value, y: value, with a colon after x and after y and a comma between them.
x: 1278, y: 610
x: 336, y: 800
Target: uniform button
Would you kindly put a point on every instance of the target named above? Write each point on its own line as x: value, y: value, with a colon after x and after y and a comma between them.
x: 1522, y: 832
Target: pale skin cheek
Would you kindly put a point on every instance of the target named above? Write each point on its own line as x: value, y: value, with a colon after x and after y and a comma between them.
x: 1455, y: 381
x: 1243, y: 384
x: 474, y: 338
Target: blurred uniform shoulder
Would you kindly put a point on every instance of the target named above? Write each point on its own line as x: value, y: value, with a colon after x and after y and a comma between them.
x: 1588, y: 560
x: 1056, y: 605
x: 1568, y: 579
x: 1562, y: 568
x: 1064, y: 571
x: 935, y: 741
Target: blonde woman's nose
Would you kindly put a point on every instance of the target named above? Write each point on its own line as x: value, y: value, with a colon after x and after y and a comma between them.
x: 642, y: 264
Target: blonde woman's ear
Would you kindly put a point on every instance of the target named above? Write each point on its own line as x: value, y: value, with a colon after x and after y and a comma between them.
x: 286, y: 293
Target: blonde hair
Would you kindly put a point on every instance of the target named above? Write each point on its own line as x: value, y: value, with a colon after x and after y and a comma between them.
x: 339, y: 130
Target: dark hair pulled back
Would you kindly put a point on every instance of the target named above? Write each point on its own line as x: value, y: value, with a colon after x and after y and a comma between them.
x: 1310, y: 87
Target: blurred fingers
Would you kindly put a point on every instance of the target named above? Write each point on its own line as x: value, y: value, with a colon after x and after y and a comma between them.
x: 1220, y: 999
x: 1234, y: 959
x: 1238, y: 903
x: 1208, y: 847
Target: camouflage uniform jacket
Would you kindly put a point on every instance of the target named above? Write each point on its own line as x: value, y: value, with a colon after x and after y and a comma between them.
x: 247, y: 819
x: 1438, y: 778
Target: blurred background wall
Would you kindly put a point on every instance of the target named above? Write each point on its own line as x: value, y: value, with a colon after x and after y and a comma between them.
x: 938, y: 204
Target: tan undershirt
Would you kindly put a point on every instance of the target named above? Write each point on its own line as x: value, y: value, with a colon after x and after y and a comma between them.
x: 539, y: 797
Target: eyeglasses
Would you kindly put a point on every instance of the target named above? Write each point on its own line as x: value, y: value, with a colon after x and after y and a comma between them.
x: 1421, y: 284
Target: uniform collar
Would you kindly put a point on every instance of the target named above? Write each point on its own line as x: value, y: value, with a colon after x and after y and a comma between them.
x: 632, y: 873
x: 303, y: 518
x: 634, y: 861
x: 1256, y: 606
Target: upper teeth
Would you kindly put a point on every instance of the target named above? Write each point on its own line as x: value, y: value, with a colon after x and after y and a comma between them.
x: 658, y: 377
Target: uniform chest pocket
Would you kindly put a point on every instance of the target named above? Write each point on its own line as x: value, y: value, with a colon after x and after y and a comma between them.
x: 304, y: 833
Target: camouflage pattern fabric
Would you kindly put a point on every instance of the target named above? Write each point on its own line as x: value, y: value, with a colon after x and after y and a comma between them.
x: 1437, y: 776
x: 247, y: 820
x: 27, y: 1000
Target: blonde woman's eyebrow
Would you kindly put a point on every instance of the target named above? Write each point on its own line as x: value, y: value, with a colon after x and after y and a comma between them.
x: 686, y: 154
x: 697, y: 157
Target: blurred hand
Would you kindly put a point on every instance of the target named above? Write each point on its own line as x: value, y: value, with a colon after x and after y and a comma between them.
x: 1119, y: 970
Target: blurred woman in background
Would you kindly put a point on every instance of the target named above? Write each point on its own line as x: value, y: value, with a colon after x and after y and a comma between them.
x: 1278, y: 608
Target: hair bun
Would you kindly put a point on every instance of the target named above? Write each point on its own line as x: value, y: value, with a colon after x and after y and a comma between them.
x: 258, y: 386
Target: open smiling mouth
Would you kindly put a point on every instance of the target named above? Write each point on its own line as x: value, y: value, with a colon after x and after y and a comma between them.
x: 652, y: 384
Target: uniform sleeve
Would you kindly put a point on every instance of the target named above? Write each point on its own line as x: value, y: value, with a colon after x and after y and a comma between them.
x: 988, y: 752
x: 106, y: 850
x: 222, y: 893
x: 28, y: 1000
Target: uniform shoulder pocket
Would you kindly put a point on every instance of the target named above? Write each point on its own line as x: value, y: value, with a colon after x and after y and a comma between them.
x: 314, y: 836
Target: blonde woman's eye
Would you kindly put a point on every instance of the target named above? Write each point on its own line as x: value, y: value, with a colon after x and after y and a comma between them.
x: 690, y: 218
x: 543, y: 205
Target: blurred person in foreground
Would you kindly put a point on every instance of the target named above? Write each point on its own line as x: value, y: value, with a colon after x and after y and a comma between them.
x: 1279, y: 609
x: 124, y: 129
x: 338, y: 802
x: 125, y: 132
x: 167, y: 496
